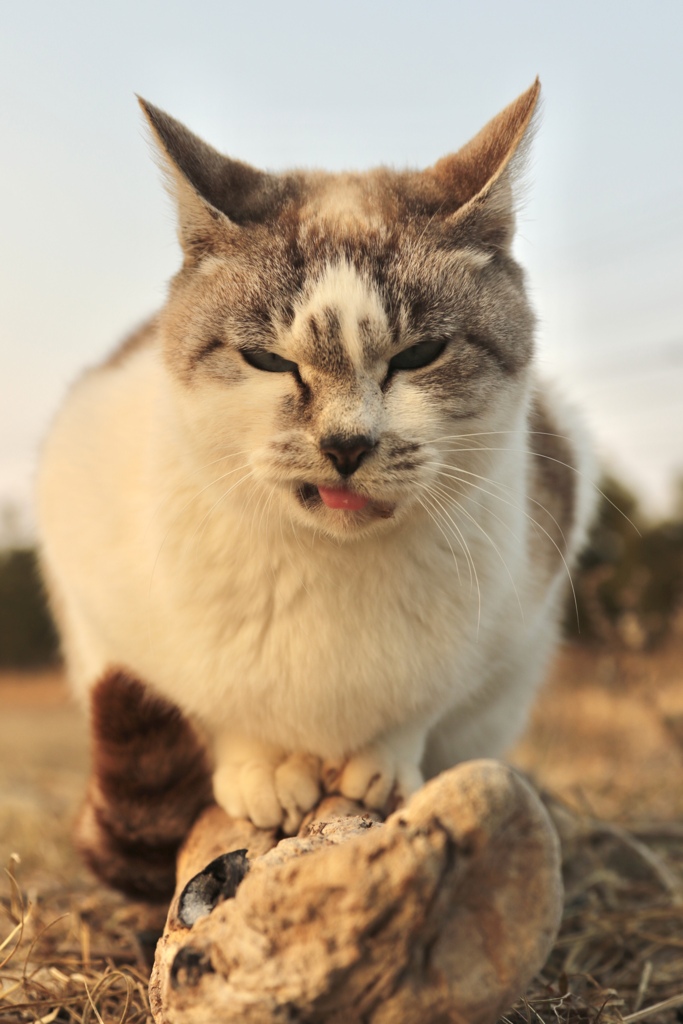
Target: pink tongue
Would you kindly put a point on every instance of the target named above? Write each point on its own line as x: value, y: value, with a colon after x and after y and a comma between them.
x: 340, y: 498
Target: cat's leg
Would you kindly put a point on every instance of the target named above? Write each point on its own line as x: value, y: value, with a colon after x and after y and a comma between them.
x: 387, y: 769
x: 255, y: 780
x: 485, y: 729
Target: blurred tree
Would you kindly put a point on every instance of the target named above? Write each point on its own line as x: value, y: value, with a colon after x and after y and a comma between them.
x: 629, y: 581
x: 677, y: 503
x: 27, y: 635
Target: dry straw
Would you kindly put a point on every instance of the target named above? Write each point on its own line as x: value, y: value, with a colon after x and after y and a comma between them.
x: 81, y: 954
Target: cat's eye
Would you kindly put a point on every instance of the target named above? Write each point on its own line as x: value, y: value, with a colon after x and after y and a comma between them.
x: 271, y: 362
x: 417, y: 356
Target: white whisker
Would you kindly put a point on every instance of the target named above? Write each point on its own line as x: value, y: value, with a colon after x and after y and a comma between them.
x: 183, y: 487
x: 538, y: 526
x: 446, y: 493
x: 473, y: 569
x: 559, y: 462
x: 432, y: 516
x: 495, y: 483
x: 493, y: 433
x: 205, y: 518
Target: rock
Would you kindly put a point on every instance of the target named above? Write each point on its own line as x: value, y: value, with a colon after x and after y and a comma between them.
x: 444, y: 913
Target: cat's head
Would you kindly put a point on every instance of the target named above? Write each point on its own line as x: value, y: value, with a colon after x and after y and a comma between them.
x: 332, y: 334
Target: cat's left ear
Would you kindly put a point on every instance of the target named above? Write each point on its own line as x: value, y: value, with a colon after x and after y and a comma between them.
x: 213, y: 193
x: 482, y: 177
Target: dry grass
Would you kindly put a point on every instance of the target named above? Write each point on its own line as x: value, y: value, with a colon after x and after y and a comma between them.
x: 69, y: 949
x: 607, y: 741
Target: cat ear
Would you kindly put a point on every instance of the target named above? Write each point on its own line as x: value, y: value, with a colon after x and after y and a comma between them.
x: 213, y: 193
x: 480, y: 179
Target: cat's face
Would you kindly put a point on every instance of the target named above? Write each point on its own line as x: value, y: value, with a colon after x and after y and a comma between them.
x: 338, y: 336
x: 355, y: 378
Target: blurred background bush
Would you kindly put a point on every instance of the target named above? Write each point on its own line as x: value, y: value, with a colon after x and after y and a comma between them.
x: 629, y: 581
x: 27, y: 636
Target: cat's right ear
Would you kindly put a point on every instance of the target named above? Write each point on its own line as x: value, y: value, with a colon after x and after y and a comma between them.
x: 214, y: 194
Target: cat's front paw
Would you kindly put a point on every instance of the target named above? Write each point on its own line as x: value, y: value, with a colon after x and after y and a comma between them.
x: 297, y: 785
x: 374, y: 777
x: 270, y: 792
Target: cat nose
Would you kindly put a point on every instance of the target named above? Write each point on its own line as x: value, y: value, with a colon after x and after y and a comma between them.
x: 346, y: 453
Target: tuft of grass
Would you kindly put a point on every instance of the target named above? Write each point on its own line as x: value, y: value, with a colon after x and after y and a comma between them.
x: 75, y: 954
x: 619, y: 955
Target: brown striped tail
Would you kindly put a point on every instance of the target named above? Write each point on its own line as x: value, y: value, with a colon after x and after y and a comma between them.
x: 150, y: 779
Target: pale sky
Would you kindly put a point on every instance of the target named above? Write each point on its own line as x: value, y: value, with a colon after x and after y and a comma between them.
x: 87, y: 238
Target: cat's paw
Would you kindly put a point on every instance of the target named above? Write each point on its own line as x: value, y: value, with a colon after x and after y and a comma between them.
x: 374, y: 777
x: 297, y: 785
x: 271, y: 793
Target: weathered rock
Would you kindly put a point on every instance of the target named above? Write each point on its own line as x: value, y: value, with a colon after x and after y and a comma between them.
x: 442, y: 914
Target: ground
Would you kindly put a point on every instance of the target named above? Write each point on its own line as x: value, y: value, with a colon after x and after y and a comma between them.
x: 605, y: 746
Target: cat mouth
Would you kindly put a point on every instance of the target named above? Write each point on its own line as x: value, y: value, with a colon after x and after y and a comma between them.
x: 342, y: 499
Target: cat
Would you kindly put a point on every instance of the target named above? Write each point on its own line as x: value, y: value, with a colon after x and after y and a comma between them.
x: 322, y: 503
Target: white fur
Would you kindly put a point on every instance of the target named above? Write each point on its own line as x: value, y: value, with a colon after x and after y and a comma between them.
x: 341, y: 288
x: 175, y: 551
x: 341, y: 202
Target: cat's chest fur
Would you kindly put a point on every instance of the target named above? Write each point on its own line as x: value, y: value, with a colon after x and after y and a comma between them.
x: 313, y: 648
x: 296, y: 655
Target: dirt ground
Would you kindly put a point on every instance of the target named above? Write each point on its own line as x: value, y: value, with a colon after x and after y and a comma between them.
x: 606, y: 739
x: 607, y: 734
